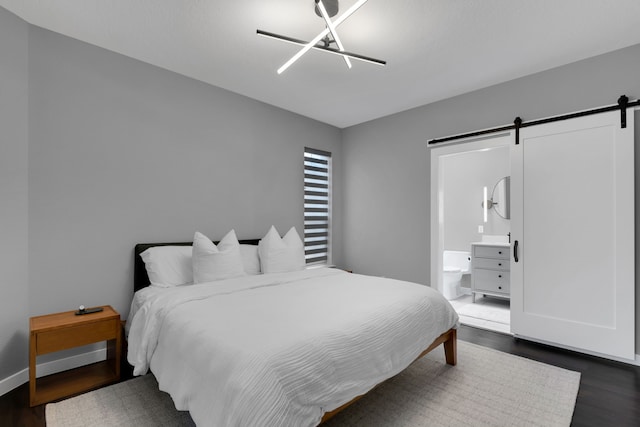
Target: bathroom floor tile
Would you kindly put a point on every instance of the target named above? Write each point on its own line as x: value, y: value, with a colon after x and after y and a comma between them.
x: 486, y: 313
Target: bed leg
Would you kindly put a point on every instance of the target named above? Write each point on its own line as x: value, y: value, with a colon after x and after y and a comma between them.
x: 451, y: 348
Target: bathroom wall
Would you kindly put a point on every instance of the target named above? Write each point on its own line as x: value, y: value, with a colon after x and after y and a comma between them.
x: 464, y: 176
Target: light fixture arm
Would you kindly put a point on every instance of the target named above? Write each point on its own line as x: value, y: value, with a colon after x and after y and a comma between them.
x: 321, y: 35
x: 327, y: 41
x: 322, y: 41
x: 332, y: 30
x: 323, y: 47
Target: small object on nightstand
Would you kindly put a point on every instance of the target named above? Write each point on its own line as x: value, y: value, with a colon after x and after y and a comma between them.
x: 82, y: 310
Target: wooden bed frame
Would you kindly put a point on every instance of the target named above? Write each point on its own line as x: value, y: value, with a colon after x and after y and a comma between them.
x: 141, y: 280
x: 449, y: 339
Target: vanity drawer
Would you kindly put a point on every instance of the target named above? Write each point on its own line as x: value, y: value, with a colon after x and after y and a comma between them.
x: 491, y: 281
x: 491, y: 252
x: 491, y: 263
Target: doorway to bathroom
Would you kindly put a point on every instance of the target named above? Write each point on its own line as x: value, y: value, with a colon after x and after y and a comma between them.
x: 470, y: 229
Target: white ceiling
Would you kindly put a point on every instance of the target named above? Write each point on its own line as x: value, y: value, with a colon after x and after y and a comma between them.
x: 435, y: 49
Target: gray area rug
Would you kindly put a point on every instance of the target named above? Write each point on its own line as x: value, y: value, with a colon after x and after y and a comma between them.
x: 486, y: 388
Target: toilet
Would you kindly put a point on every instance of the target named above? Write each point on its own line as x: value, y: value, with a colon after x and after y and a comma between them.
x: 456, y: 265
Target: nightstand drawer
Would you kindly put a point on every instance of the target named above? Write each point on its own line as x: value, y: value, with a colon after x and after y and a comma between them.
x: 75, y: 336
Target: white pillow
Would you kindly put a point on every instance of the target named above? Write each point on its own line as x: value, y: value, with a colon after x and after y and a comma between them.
x: 211, y: 262
x: 279, y: 255
x: 168, y: 265
x: 250, y: 259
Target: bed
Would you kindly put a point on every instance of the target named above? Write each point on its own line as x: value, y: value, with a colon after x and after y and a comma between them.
x: 281, y: 349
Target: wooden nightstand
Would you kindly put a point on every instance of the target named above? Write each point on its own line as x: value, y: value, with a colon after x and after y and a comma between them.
x: 60, y: 331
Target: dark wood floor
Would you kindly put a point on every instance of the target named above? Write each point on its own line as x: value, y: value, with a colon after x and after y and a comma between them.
x: 609, y: 392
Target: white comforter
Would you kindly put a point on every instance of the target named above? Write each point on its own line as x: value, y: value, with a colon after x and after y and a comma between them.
x: 280, y: 349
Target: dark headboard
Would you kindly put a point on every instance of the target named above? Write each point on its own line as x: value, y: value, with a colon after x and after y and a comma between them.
x: 140, y: 277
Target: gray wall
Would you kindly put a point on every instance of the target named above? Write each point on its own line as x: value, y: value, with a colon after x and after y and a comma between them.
x: 121, y: 152
x: 387, y: 180
x: 14, y: 294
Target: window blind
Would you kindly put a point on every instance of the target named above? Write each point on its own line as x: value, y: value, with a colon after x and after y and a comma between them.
x: 317, y: 206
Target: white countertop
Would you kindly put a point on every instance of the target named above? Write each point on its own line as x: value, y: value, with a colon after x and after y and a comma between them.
x: 502, y: 245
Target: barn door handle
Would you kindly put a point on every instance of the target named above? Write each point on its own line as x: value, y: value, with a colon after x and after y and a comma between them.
x: 515, y: 251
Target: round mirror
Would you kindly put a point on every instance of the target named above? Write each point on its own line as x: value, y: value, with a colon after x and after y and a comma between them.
x: 500, y: 197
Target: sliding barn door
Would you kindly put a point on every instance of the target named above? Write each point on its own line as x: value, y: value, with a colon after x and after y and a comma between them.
x: 573, y: 220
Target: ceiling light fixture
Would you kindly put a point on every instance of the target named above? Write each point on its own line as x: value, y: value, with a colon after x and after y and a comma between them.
x: 332, y: 29
x: 326, y: 9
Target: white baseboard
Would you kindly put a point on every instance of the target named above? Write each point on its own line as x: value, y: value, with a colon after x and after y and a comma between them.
x: 55, y: 366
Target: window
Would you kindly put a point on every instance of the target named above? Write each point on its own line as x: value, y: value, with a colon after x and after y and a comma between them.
x: 317, y: 206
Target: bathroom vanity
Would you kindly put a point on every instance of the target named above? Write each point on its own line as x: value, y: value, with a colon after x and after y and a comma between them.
x: 490, y: 269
